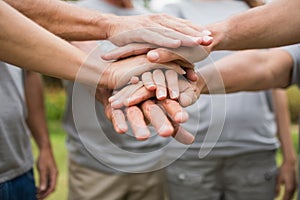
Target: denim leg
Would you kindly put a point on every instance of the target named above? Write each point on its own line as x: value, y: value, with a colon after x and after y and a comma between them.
x: 21, y: 187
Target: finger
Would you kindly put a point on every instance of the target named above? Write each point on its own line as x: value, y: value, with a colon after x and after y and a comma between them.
x: 191, y: 75
x: 186, y: 40
x: 157, y: 118
x: 184, y: 64
x: 139, y: 96
x: 53, y: 180
x: 119, y: 121
x: 117, y: 100
x: 146, y: 35
x: 174, y: 110
x: 141, y: 68
x: 137, y: 123
x: 128, y: 50
x: 192, y: 33
x: 277, y: 188
x: 160, y: 82
x: 148, y: 81
x: 187, y: 93
x: 183, y: 136
x: 43, y: 180
x: 134, y: 80
x: 164, y: 56
x: 172, y: 81
x: 182, y: 54
x: 289, y: 190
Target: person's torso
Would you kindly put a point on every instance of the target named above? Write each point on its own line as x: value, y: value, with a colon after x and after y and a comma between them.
x: 15, y: 147
x: 226, y: 124
x: 99, y: 146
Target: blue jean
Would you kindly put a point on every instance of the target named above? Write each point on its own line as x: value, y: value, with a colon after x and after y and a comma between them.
x: 19, y: 188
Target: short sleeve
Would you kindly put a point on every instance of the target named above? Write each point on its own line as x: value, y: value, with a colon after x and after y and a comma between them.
x: 294, y: 51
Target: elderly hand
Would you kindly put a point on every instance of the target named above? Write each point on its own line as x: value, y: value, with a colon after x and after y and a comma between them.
x: 159, y: 29
x: 184, y: 56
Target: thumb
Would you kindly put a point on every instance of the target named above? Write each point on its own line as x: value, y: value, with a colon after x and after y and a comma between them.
x: 162, y: 55
x: 43, y: 179
x: 278, y: 186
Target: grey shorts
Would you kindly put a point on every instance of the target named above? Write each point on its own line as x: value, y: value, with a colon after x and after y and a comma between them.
x: 245, y: 177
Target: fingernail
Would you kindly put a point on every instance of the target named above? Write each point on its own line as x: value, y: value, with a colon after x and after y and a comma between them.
x: 206, y: 32
x: 42, y: 187
x: 166, y: 131
x: 123, y: 127
x: 111, y: 99
x: 153, y: 55
x: 181, y: 117
x: 134, y: 80
x: 142, y: 134
x: 207, y: 38
x: 174, y: 94
x: 161, y: 95
x: 116, y: 104
x: 150, y: 86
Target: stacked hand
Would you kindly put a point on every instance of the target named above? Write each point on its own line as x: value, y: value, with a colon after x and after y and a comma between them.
x: 150, y: 92
x: 156, y: 98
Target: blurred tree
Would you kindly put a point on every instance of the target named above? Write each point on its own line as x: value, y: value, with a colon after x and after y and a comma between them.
x: 147, y: 3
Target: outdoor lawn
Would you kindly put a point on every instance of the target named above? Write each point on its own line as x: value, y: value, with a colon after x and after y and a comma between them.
x: 55, y: 99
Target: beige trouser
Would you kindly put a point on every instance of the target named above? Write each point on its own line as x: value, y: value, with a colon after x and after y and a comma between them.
x: 87, y: 184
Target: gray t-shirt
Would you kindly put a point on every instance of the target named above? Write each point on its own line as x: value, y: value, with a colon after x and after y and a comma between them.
x: 15, y: 147
x: 231, y: 124
x: 102, y: 148
x: 294, y: 51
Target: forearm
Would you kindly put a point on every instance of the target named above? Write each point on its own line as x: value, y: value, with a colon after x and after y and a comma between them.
x: 259, y: 27
x: 25, y: 44
x: 36, y: 119
x: 283, y: 125
x: 65, y: 20
x: 248, y: 70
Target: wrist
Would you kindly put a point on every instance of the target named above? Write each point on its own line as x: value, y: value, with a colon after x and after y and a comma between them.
x: 201, y: 87
x: 45, y: 147
x: 218, y: 31
x: 106, y: 24
x: 290, y: 161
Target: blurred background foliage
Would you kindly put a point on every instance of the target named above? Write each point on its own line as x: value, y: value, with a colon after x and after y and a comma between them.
x: 55, y: 99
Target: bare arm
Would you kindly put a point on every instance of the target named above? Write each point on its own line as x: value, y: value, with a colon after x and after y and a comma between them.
x: 36, y: 121
x: 75, y: 23
x: 287, y: 173
x: 63, y: 19
x: 24, y: 43
x: 248, y: 70
x: 34, y: 48
x: 266, y: 26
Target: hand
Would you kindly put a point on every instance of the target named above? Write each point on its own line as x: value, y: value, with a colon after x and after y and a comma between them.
x: 287, y: 177
x: 165, y: 126
x: 118, y: 74
x: 187, y: 92
x: 47, y: 174
x: 184, y: 56
x: 159, y: 29
x: 153, y: 113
